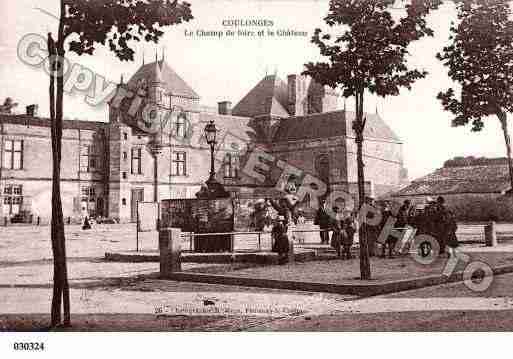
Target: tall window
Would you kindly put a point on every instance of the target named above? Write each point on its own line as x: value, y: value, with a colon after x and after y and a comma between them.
x: 88, y: 194
x: 88, y: 159
x: 136, y: 161
x: 231, y: 165
x: 178, y: 164
x: 13, y: 198
x: 322, y: 167
x: 181, y: 125
x: 13, y: 154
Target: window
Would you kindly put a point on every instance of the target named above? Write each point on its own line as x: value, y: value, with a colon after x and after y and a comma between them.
x: 178, y: 164
x: 13, y: 198
x: 13, y: 154
x: 231, y: 165
x: 88, y: 159
x: 125, y: 156
x: 181, y: 125
x: 125, y: 136
x: 322, y: 167
x: 124, y: 175
x: 123, y: 201
x: 136, y: 161
x: 88, y: 194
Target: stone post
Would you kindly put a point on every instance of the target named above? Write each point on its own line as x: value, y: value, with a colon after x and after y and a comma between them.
x: 490, y: 235
x: 170, y: 251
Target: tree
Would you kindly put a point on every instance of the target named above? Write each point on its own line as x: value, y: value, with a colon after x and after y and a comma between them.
x: 83, y: 25
x: 480, y: 60
x: 369, y: 55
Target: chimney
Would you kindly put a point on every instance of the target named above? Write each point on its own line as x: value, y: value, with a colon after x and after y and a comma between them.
x: 291, y: 92
x: 297, y: 94
x: 32, y: 110
x: 224, y: 108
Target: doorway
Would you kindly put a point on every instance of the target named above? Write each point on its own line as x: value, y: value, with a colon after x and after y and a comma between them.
x: 137, y: 196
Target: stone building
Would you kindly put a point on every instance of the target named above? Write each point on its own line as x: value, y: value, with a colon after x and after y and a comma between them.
x: 476, y: 189
x: 152, y: 147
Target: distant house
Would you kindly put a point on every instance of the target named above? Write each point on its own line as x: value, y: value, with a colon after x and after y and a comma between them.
x: 475, y: 188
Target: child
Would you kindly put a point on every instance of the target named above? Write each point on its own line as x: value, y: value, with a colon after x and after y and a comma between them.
x: 350, y: 227
x: 337, y: 238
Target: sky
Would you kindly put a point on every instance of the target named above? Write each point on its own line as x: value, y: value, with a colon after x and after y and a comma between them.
x: 225, y: 68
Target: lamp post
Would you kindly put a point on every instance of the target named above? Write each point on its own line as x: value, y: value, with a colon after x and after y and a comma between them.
x: 156, y: 143
x: 213, y: 188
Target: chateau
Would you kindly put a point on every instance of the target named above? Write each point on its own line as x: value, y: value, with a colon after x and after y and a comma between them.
x: 107, y: 166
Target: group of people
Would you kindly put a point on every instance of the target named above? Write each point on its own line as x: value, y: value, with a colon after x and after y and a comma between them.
x: 435, y: 220
x: 341, y: 224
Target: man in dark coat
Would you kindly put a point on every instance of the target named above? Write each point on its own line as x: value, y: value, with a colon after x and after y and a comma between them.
x: 445, y: 226
x: 281, y: 241
x: 350, y: 228
x: 403, y: 215
x: 323, y: 220
x: 371, y: 231
x: 337, y: 225
x: 391, y: 240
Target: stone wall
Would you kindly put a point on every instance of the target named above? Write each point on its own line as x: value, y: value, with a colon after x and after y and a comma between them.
x: 36, y: 175
x: 474, y: 206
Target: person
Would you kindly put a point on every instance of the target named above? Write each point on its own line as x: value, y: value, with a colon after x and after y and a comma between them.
x: 446, y: 227
x: 300, y: 221
x: 286, y: 205
x: 371, y: 231
x: 323, y: 220
x: 403, y: 215
x: 337, y: 226
x: 85, y: 224
x: 281, y: 241
x: 350, y: 227
x: 390, y: 241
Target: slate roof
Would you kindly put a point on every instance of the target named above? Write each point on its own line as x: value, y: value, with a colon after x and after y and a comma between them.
x: 320, y: 125
x: 331, y: 124
x: 160, y: 71
x: 239, y: 127
x: 268, y: 97
x: 460, y: 179
x: 45, y: 122
x: 375, y: 127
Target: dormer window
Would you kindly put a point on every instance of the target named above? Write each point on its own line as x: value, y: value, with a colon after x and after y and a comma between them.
x: 231, y: 165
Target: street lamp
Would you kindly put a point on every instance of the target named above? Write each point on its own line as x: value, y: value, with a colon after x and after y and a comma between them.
x: 157, y: 123
x: 213, y: 188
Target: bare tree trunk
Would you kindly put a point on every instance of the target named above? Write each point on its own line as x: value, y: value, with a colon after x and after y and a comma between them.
x: 359, y: 126
x: 504, y: 123
x: 57, y: 276
x: 57, y: 201
x: 60, y: 278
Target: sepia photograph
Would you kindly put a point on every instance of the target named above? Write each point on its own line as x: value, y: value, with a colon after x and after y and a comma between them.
x: 297, y: 166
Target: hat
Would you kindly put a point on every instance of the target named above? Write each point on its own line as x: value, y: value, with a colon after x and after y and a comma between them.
x: 429, y: 200
x: 281, y: 218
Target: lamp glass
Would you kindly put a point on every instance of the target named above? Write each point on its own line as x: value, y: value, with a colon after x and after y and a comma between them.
x: 210, y: 132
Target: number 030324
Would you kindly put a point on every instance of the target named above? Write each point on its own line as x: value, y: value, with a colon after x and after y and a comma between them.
x: 28, y: 346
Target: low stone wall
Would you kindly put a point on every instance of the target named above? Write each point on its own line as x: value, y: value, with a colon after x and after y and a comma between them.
x: 474, y: 207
